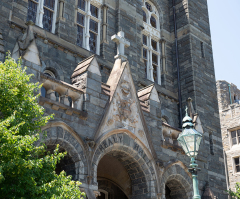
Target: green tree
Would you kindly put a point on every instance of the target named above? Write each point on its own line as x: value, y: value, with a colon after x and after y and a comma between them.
x: 235, y: 194
x: 27, y: 170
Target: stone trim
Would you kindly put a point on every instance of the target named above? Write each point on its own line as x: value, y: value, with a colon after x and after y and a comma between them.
x: 177, y: 172
x: 123, y: 143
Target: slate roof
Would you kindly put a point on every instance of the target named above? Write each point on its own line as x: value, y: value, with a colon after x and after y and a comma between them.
x: 82, y: 66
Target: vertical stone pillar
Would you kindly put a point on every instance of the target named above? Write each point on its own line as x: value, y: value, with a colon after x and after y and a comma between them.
x: 41, y: 12
x: 163, y: 42
x: 61, y: 4
x: 104, y: 24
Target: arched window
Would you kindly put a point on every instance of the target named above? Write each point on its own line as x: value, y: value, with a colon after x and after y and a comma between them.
x: 150, y: 38
x: 43, y: 13
x: 70, y: 101
x: 49, y: 73
x: 88, y: 25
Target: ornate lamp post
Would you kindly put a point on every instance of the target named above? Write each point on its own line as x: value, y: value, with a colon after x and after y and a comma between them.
x: 190, y: 141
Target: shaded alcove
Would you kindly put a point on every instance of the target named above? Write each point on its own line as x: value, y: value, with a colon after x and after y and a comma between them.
x: 121, y: 176
x: 66, y: 163
x: 174, y: 190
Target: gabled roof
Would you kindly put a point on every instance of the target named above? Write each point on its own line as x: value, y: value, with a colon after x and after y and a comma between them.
x: 83, y: 66
x: 145, y: 93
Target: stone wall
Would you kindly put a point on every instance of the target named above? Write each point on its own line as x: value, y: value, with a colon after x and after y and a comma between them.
x: 164, y: 161
x: 230, y: 121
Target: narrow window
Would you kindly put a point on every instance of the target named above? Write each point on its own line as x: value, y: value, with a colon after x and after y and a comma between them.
x: 144, y: 53
x: 211, y: 143
x: 238, y: 134
x: 144, y: 38
x: 94, y: 11
x: 93, y: 42
x: 144, y: 16
x: 153, y: 22
x: 154, y: 45
x: 202, y: 50
x: 237, y: 166
x: 81, y: 4
x: 80, y: 36
x: 155, y: 66
x: 32, y: 11
x: 234, y: 138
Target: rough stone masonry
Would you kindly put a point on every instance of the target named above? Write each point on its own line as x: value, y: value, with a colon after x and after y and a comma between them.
x: 118, y: 119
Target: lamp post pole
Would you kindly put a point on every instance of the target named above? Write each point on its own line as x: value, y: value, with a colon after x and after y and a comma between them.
x: 194, y: 171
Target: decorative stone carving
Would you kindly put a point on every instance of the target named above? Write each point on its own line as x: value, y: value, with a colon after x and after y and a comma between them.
x: 90, y: 142
x: 80, y: 81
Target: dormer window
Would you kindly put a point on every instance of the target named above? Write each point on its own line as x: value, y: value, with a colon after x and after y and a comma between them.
x: 43, y: 13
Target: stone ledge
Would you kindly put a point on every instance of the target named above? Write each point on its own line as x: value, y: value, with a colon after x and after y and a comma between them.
x: 57, y: 105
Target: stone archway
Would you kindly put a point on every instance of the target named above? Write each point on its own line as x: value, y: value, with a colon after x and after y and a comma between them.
x: 75, y: 163
x: 131, y: 159
x: 176, y: 182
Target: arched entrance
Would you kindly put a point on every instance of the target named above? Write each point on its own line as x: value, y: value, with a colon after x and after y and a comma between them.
x: 174, y: 190
x: 123, y: 169
x: 176, y: 182
x: 66, y: 163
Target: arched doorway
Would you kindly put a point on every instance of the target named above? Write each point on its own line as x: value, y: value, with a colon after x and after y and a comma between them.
x: 120, y: 176
x: 121, y: 161
x: 66, y: 163
x: 174, y: 190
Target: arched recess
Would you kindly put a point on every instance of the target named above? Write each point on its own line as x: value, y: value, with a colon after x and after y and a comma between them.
x: 136, y: 159
x: 176, y: 181
x: 76, y: 160
x: 53, y: 67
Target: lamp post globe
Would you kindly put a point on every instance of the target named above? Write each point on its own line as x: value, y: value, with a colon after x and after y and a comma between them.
x: 190, y: 140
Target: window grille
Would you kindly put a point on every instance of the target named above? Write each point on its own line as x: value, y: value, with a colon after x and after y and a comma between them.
x: 151, y: 49
x: 43, y: 13
x: 88, y: 31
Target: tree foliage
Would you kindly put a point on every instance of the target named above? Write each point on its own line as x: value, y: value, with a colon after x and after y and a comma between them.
x: 235, y: 194
x: 27, y: 170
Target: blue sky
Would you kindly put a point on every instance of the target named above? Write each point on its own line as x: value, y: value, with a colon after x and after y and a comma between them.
x: 225, y: 31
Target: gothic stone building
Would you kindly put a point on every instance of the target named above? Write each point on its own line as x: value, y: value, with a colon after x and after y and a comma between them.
x: 229, y: 110
x: 118, y: 98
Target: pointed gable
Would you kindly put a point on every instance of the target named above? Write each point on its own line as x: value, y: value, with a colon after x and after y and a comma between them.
x: 89, y: 64
x: 26, y: 47
x: 124, y: 110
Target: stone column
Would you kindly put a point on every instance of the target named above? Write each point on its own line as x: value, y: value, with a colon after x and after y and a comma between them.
x: 163, y: 42
x: 61, y: 3
x: 104, y: 24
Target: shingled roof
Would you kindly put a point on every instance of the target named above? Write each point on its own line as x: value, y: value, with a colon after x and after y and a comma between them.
x: 83, y: 66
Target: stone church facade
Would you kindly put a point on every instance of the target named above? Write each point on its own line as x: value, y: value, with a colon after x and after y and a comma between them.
x: 229, y: 111
x: 116, y: 74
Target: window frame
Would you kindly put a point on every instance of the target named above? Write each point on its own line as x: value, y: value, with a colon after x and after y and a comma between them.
x: 153, y: 35
x: 237, y: 137
x: 40, y: 14
x: 88, y: 17
x: 234, y: 166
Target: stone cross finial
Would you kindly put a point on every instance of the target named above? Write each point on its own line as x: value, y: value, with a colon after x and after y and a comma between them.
x: 186, y: 109
x: 121, y: 42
